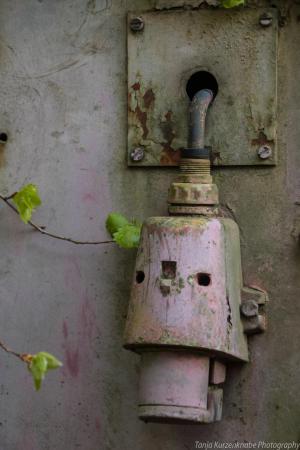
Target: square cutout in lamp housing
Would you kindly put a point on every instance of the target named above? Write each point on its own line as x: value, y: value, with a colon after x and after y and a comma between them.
x: 241, y: 55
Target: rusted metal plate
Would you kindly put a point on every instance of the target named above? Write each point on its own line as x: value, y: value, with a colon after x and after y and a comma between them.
x: 242, y: 56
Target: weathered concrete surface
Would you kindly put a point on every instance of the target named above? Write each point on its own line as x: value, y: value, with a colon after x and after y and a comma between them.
x: 63, y: 104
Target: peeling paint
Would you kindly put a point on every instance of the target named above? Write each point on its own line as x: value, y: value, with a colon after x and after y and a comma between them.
x: 2, y: 154
x: 166, y: 312
x: 158, y: 120
x: 262, y: 140
x: 169, y: 155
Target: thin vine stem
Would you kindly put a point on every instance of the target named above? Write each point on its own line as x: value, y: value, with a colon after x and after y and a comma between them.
x: 40, y: 229
x: 24, y: 357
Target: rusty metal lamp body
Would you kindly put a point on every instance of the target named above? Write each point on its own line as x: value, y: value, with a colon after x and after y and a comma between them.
x: 185, y: 309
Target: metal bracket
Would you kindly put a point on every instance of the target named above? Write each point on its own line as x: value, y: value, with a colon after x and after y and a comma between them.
x: 252, y: 310
x: 165, y: 48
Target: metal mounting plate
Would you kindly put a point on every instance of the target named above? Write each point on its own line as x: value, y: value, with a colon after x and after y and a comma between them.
x: 237, y: 50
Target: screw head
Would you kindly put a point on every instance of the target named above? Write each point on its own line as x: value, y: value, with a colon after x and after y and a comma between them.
x: 137, y: 154
x: 264, y: 152
x: 137, y: 24
x: 266, y: 19
x: 249, y: 308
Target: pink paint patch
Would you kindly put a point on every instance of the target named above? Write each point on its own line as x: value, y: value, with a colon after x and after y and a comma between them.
x: 65, y: 329
x: 28, y: 440
x: 90, y: 198
x: 72, y: 361
x: 98, y: 424
x: 88, y: 318
x: 81, y: 332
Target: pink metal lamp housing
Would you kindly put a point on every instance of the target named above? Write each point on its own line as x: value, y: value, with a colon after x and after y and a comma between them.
x: 185, y: 309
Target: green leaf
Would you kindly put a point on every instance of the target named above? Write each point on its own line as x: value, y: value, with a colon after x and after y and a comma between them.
x: 114, y: 222
x: 52, y: 362
x: 232, y: 3
x: 26, y: 200
x: 128, y: 236
x: 124, y: 232
x: 39, y: 366
x: 38, y: 369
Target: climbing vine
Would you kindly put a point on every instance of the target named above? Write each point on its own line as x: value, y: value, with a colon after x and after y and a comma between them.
x: 124, y: 232
x: 38, y: 364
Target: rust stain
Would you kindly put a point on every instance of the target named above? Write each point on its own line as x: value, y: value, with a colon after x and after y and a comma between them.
x: 2, y: 156
x: 262, y: 140
x: 142, y: 102
x: 170, y: 156
x: 142, y: 117
x: 136, y: 86
x: 167, y: 128
x: 215, y: 156
x: 149, y: 98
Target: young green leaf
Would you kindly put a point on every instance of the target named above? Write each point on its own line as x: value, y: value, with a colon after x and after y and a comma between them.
x: 52, y: 362
x: 232, y: 3
x: 128, y: 236
x: 26, y: 201
x: 114, y: 222
x: 124, y: 232
x: 39, y: 366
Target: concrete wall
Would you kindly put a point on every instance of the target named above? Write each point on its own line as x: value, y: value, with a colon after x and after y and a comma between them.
x: 63, y: 105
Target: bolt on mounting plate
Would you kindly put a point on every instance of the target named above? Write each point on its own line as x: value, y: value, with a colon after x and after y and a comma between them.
x: 236, y: 50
